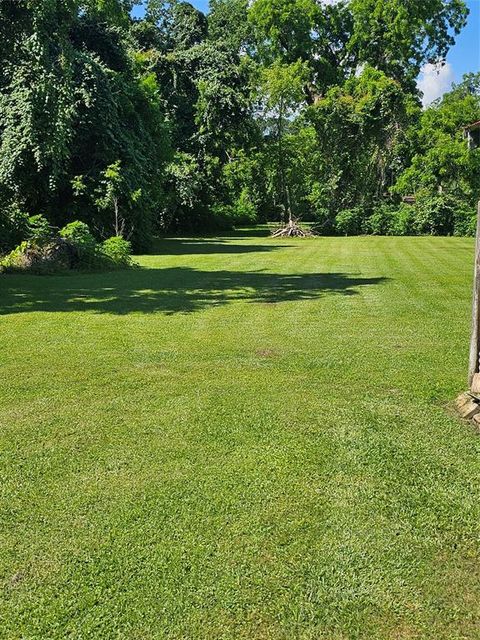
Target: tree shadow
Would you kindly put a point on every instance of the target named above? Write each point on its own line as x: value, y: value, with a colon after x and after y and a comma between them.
x: 258, y: 231
x: 170, y: 290
x: 196, y: 246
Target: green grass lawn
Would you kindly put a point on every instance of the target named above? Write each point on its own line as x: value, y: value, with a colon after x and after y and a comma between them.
x: 243, y: 439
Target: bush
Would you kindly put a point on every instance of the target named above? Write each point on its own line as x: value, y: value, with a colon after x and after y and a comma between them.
x: 382, y: 221
x: 324, y: 223
x: 117, y: 251
x: 58, y: 255
x: 391, y: 220
x: 222, y: 218
x: 87, y: 249
x: 39, y: 231
x: 242, y: 212
x: 78, y: 233
x: 245, y: 210
x: 15, y: 260
x: 465, y: 222
x: 435, y: 214
x: 438, y: 214
x: 349, y: 222
x: 13, y: 226
x: 73, y: 248
x: 404, y: 221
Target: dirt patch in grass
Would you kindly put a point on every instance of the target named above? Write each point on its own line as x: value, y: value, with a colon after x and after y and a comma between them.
x: 266, y: 353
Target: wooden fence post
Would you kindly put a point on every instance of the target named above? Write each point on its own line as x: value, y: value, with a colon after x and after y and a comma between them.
x: 475, y: 342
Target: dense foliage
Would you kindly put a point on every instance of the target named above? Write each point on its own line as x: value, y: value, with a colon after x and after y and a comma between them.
x: 47, y: 251
x: 256, y: 111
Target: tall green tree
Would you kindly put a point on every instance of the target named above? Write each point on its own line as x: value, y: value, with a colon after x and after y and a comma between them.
x: 399, y: 36
x: 361, y: 132
x: 309, y: 31
x: 441, y: 161
x: 282, y: 89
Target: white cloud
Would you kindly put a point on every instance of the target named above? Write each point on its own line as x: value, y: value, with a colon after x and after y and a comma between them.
x: 434, y: 81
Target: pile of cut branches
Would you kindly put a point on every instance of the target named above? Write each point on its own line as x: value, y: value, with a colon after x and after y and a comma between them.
x: 291, y: 230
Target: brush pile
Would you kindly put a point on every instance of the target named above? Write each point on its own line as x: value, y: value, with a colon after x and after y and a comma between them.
x: 291, y: 230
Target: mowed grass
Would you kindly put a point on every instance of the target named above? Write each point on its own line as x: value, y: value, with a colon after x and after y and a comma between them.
x: 244, y: 438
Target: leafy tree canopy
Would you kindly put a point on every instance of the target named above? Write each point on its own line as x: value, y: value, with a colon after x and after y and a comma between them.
x: 258, y: 110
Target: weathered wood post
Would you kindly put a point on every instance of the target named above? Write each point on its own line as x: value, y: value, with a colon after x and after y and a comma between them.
x: 468, y: 404
x: 474, y: 364
x: 472, y: 134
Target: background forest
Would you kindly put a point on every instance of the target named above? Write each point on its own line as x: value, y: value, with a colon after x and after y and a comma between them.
x: 180, y: 121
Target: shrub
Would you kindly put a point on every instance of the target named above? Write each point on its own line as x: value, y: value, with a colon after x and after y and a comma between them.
x: 78, y: 233
x: 465, y: 222
x: 13, y: 226
x: 39, y: 230
x: 223, y: 217
x: 382, y: 221
x: 324, y: 222
x: 245, y: 210
x: 74, y: 247
x: 404, y: 221
x: 349, y: 222
x: 435, y: 213
x: 117, y: 251
x: 87, y: 249
x: 15, y: 260
x: 55, y: 256
x: 391, y: 220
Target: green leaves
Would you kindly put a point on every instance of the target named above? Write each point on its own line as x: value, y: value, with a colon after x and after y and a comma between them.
x: 75, y: 99
x: 283, y: 84
x: 441, y: 159
x: 398, y: 36
x: 146, y: 124
x: 284, y: 27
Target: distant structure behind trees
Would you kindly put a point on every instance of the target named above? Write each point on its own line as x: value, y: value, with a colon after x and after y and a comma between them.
x: 472, y: 133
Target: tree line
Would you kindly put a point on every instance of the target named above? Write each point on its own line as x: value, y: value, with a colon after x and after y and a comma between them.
x: 263, y: 110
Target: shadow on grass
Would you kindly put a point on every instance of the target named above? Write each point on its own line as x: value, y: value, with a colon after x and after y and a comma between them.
x: 192, y: 246
x: 169, y: 290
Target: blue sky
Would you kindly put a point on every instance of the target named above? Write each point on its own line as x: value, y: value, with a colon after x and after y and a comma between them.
x: 462, y: 58
x: 465, y: 55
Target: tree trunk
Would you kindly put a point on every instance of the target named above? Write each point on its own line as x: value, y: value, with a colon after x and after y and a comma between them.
x: 281, y: 164
x: 117, y: 222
